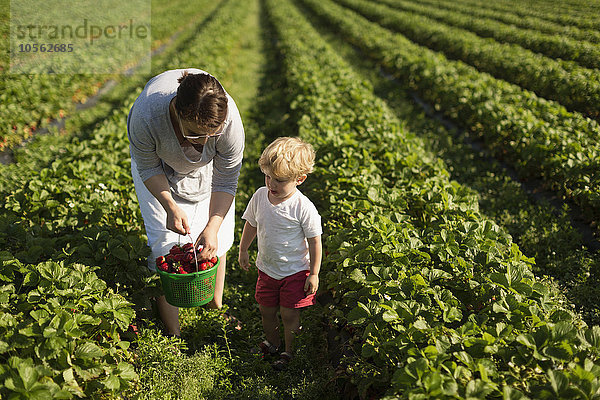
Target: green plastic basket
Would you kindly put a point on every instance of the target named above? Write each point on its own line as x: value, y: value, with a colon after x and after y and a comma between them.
x: 189, y: 290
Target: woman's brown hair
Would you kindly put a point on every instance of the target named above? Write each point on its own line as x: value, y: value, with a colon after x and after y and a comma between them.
x: 201, y: 98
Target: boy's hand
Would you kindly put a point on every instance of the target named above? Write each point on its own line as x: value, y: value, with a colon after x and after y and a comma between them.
x: 244, y: 260
x: 311, y: 285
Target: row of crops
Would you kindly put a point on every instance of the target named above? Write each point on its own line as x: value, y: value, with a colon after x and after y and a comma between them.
x: 581, y: 51
x: 436, y: 291
x: 434, y: 299
x: 69, y: 204
x: 523, y: 20
x: 539, y: 138
x: 573, y: 86
x: 44, y: 98
x: 538, y: 13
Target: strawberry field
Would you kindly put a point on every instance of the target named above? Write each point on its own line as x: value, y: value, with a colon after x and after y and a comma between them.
x: 457, y: 177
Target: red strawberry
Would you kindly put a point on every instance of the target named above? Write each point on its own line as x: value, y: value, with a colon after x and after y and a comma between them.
x: 182, y: 271
x: 209, y: 264
x: 187, y: 247
x: 164, y: 267
x: 133, y: 328
x: 188, y: 257
x: 175, y: 250
x: 203, y: 266
x: 160, y: 260
x: 214, y: 260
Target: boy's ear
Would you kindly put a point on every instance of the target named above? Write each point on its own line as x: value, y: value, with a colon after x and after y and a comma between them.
x: 300, y: 179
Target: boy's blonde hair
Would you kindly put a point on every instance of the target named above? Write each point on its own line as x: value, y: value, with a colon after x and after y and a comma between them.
x: 287, y: 158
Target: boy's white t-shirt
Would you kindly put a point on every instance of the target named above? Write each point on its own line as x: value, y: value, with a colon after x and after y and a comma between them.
x: 282, y: 230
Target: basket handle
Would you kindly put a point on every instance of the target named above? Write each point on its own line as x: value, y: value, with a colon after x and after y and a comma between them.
x: 193, y: 247
x: 195, y: 255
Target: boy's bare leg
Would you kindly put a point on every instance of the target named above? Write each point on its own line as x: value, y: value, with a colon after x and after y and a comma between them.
x: 217, y: 301
x: 169, y: 315
x: 291, y: 325
x: 270, y: 323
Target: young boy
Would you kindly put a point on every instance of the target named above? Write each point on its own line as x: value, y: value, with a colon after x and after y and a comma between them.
x: 288, y: 227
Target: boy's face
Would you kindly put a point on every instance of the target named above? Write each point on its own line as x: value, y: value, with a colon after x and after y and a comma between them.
x: 282, y: 189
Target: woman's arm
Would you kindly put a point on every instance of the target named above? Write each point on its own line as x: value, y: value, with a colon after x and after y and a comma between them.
x: 227, y: 162
x: 219, y: 206
x: 176, y: 218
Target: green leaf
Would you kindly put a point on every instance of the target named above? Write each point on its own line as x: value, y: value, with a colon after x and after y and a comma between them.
x: 563, y: 331
x: 527, y: 341
x: 373, y: 194
x: 563, y: 352
x: 510, y: 393
x: 487, y: 369
x: 28, y: 375
x: 452, y: 314
x: 358, y: 315
x: 465, y: 358
x: 433, y: 383
x: 358, y: 276
x: 591, y: 336
x: 120, y: 253
x: 478, y: 389
x: 419, y: 367
x: 522, y: 288
x: 41, y: 316
x: 500, y: 279
x: 390, y: 315
x: 31, y: 279
x: 127, y: 372
x: 558, y: 381
x: 112, y: 383
x: 69, y: 378
x: 88, y: 350
x: 421, y: 325
x: 119, y: 308
x: 434, y: 274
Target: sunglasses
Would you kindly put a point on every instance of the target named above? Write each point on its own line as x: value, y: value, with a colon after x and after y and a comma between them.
x: 181, y: 128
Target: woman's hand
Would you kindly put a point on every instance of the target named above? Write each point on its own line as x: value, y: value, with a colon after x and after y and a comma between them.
x: 177, y: 220
x: 176, y: 217
x: 209, y: 242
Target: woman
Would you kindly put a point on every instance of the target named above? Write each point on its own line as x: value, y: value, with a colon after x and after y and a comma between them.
x: 186, y: 141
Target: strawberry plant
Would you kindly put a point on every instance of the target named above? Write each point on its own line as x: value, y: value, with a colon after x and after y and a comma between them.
x: 72, y: 202
x: 524, y: 21
x: 61, y: 332
x: 574, y: 87
x: 436, y: 300
x: 446, y: 305
x: 582, y: 51
x: 30, y: 102
x: 569, y: 16
x: 539, y: 138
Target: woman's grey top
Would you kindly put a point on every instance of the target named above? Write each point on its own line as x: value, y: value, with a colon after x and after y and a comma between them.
x: 192, y: 175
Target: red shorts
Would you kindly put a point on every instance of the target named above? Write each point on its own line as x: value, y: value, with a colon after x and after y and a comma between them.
x: 287, y: 292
